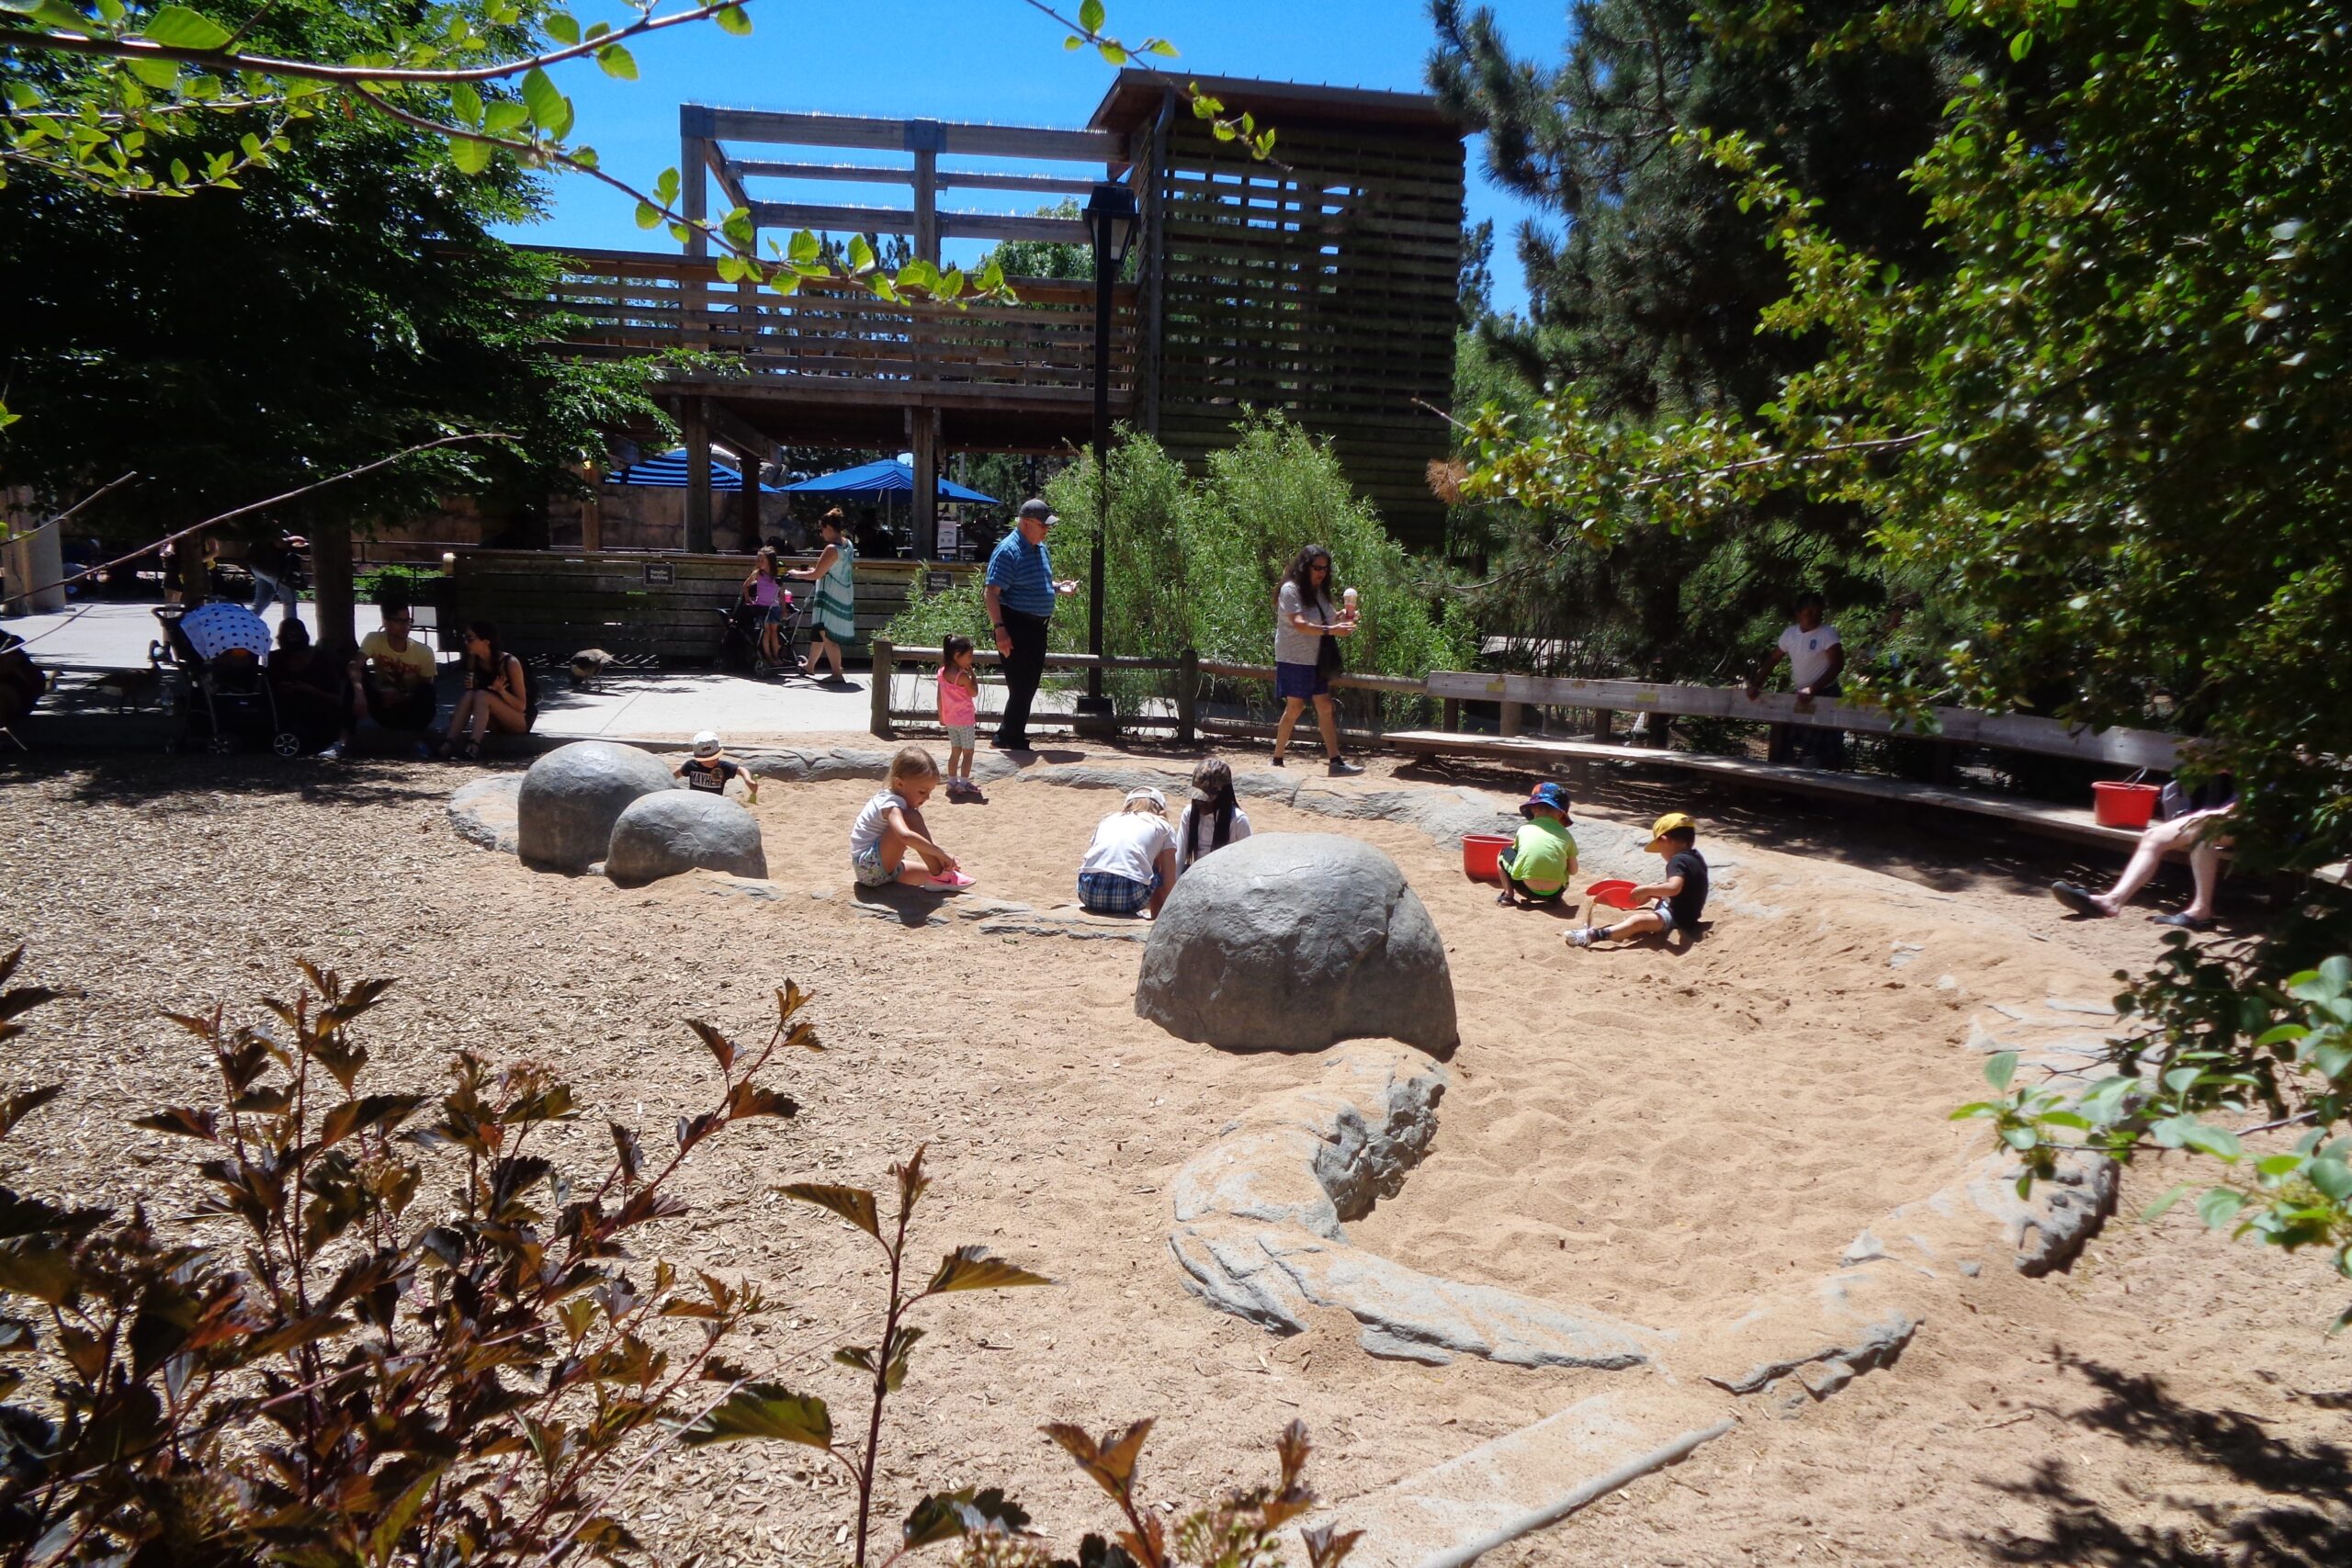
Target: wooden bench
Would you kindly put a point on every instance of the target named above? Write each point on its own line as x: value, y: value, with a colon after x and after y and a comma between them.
x: 1577, y: 757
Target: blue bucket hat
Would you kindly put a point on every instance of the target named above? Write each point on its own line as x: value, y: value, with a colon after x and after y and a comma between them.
x: 1550, y: 794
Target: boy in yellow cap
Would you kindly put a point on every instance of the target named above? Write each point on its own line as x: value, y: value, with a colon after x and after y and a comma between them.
x: 1676, y: 899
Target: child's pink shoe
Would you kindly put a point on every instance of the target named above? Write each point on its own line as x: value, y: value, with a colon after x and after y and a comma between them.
x: 954, y: 881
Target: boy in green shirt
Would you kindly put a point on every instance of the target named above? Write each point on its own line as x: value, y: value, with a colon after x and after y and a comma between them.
x: 1541, y: 861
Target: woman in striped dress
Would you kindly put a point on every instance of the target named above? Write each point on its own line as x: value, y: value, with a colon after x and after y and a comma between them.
x: 834, y: 621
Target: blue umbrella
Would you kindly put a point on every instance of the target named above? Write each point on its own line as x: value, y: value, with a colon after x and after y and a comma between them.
x: 888, y: 476
x: 669, y: 472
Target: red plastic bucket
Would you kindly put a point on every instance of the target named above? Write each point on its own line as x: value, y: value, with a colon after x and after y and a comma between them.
x: 1482, y: 856
x: 2123, y: 805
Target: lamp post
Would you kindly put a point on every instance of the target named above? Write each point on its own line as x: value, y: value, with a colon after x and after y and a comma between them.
x: 1111, y: 223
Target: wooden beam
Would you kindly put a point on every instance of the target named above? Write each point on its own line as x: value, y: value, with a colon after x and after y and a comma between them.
x: 850, y: 173
x: 890, y: 135
x: 724, y: 173
x: 694, y: 426
x: 1043, y: 185
x: 903, y: 220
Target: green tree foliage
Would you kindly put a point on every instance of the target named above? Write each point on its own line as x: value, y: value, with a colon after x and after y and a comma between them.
x: 1646, y: 291
x: 2112, y: 424
x: 1196, y: 562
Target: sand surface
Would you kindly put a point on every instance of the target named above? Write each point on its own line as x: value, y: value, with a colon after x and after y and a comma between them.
x: 1660, y: 1136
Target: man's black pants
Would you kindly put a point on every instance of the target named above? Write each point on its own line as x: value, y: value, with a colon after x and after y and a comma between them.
x: 1024, y: 667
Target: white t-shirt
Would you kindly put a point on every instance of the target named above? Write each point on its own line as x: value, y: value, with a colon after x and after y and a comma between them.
x: 867, y: 829
x: 1127, y: 845
x: 1290, y: 645
x: 1808, y: 654
x: 1200, y: 823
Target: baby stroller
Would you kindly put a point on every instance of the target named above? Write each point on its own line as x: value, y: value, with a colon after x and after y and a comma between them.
x: 215, y: 657
x: 740, y: 641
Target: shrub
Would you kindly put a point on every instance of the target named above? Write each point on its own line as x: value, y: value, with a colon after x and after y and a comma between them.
x: 328, y: 1372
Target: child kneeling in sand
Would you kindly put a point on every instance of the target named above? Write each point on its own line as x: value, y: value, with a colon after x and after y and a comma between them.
x: 1676, y: 899
x: 1543, y: 858
x: 891, y: 824
x: 1132, y: 861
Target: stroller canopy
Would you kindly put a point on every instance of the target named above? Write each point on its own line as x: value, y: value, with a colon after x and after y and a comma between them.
x: 213, y: 629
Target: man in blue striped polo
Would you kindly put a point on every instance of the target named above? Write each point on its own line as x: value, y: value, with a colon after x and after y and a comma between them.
x: 1020, y: 593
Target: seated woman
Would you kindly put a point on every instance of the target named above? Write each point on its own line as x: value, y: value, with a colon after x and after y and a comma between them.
x: 1215, y: 819
x: 497, y: 694
x: 307, y: 684
x: 1132, y: 861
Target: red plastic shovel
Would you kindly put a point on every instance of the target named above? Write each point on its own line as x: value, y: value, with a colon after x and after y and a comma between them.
x: 1612, y: 893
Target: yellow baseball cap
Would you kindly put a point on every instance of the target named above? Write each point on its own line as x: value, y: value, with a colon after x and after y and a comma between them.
x: 1668, y: 824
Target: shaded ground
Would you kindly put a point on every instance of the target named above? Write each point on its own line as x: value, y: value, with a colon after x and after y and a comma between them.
x: 1654, y: 1135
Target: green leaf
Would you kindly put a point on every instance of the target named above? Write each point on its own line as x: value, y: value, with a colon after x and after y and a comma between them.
x: 666, y: 185
x: 2219, y: 1206
x: 161, y: 75
x: 562, y: 27
x: 617, y: 63
x: 971, y: 1268
x: 861, y: 255
x: 763, y: 1412
x: 2001, y: 1069
x: 2332, y: 1177
x: 465, y: 102
x: 734, y: 21
x: 1160, y: 47
x: 2219, y: 1142
x: 1110, y: 53
x: 2021, y: 45
x: 471, y: 157
x: 550, y: 111
x: 805, y: 249
x: 384, y: 1540
x: 1090, y: 15
x: 504, y: 116
x: 2157, y: 1209
x: 648, y: 215
x: 852, y: 1204
x: 176, y: 27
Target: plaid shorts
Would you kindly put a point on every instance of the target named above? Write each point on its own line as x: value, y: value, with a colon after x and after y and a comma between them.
x: 1108, y: 893
x: 866, y: 866
x: 963, y: 737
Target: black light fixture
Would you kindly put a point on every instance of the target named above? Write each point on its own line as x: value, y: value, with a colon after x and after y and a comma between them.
x: 1111, y: 221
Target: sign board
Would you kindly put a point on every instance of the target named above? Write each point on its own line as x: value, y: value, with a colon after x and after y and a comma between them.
x: 660, y: 573
x: 938, y: 582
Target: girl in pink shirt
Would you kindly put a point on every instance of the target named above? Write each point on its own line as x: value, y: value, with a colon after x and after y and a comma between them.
x: 959, y: 695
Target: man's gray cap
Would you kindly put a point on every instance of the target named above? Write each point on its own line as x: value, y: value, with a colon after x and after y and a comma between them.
x: 1032, y: 507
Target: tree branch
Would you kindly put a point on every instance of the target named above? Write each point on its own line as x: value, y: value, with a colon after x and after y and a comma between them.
x: 226, y: 60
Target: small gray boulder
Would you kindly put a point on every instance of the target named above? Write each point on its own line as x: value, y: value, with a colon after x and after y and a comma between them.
x: 571, y: 798
x: 1294, y: 942
x: 684, y: 829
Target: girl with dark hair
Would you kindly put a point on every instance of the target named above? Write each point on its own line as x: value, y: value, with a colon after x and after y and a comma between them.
x: 1305, y: 656
x: 765, y: 588
x: 497, y: 694
x: 1215, y: 817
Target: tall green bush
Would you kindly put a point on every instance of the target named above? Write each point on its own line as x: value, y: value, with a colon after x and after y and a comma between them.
x: 1196, y: 562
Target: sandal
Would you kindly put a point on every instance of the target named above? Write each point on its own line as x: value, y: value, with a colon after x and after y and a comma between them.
x: 1506, y: 899
x: 2078, y: 900
x: 2182, y: 921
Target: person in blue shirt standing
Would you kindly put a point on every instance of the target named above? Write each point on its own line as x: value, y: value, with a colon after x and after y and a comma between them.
x: 1021, y: 592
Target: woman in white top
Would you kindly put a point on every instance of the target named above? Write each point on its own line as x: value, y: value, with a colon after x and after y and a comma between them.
x: 1214, y: 819
x: 1304, y: 658
x: 1132, y: 861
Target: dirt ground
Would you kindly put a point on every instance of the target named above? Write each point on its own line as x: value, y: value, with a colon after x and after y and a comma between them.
x: 1658, y: 1136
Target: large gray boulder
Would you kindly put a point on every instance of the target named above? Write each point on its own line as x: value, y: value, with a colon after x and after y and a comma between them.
x: 684, y: 829
x: 571, y: 798
x: 1294, y: 942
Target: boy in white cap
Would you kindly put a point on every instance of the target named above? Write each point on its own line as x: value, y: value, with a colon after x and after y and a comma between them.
x: 711, y: 771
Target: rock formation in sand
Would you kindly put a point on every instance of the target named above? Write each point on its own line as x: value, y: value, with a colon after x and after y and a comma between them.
x: 571, y: 798
x: 673, y: 831
x: 1294, y: 942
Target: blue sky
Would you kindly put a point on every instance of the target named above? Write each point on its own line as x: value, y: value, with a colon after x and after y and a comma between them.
x: 985, y: 59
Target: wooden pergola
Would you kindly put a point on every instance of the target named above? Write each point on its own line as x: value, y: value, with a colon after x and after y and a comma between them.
x: 1321, y: 283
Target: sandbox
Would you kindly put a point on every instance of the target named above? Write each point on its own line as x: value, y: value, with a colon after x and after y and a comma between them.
x: 1662, y: 1141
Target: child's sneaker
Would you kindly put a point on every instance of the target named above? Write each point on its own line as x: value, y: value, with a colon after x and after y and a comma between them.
x: 1582, y: 936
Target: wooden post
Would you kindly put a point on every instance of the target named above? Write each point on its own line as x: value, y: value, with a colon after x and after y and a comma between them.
x: 1188, y: 696
x: 694, y: 427
x: 924, y: 139
x: 1513, y: 716
x: 1602, y: 719
x: 881, y: 721
x: 922, y: 428
x: 1451, y: 719
x: 592, y: 514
